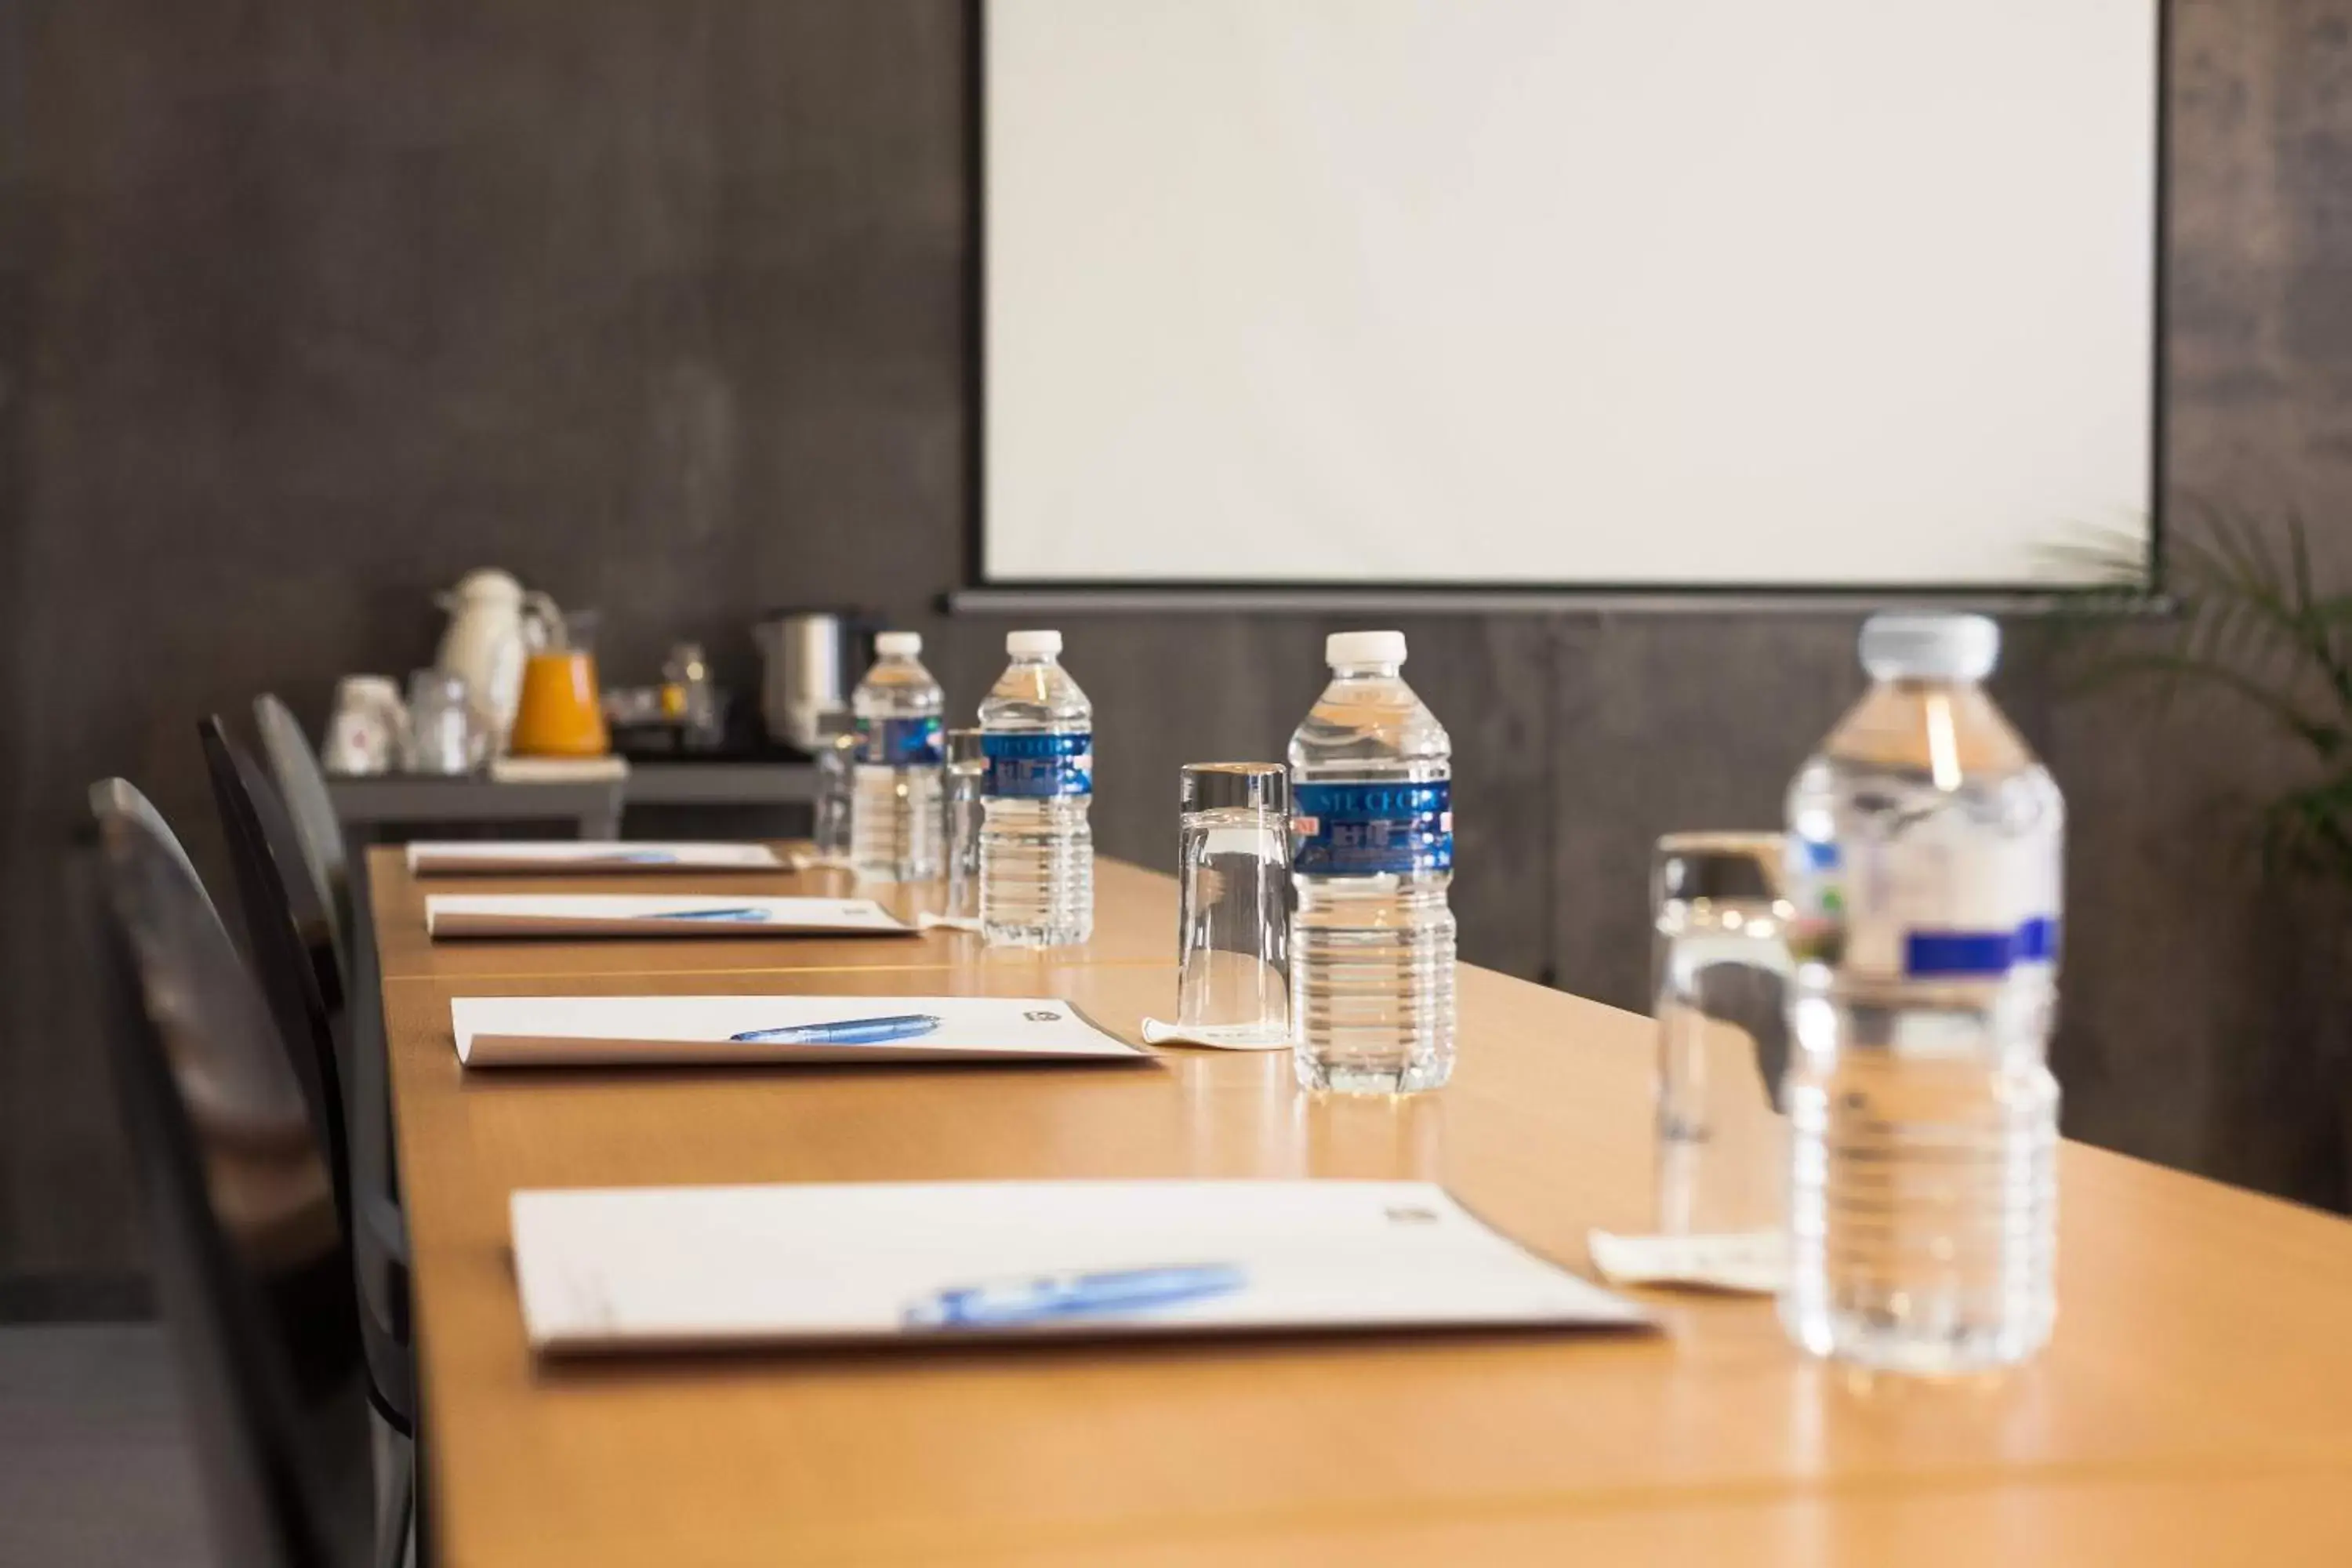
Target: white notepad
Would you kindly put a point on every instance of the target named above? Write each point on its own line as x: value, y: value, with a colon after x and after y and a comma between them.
x: 601, y: 856
x: 573, y: 1031
x: 714, y: 914
x: 928, y: 1262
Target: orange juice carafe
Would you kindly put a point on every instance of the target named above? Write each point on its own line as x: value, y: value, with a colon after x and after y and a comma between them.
x: 562, y: 713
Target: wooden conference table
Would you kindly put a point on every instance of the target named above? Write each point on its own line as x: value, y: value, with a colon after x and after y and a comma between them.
x: 2195, y: 1406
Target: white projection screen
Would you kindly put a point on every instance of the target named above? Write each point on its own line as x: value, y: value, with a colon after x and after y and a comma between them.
x: 1778, y: 294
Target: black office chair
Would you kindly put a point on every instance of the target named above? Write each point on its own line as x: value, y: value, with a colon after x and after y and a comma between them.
x: 287, y: 933
x: 292, y: 957
x: 317, y: 830
x: 252, y: 1267
x: 317, y: 841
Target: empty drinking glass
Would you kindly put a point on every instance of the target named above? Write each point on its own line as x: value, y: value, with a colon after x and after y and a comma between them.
x: 442, y: 736
x: 686, y: 683
x: 1719, y: 978
x: 961, y: 799
x: 1233, y: 913
x: 836, y: 768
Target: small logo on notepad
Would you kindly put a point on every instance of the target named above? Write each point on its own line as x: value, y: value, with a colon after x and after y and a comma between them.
x: 1043, y: 1017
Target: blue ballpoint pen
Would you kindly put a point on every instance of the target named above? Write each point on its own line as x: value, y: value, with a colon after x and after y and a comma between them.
x: 845, y: 1032
x: 737, y: 914
x: 1062, y: 1298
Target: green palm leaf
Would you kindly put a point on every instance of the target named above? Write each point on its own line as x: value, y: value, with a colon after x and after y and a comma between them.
x: 2252, y: 621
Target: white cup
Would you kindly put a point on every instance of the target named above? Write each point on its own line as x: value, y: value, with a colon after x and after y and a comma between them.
x: 369, y: 727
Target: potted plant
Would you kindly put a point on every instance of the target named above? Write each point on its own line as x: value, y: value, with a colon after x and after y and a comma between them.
x: 2251, y: 622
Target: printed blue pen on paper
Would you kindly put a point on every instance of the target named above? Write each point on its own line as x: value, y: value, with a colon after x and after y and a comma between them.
x: 1064, y: 1298
x: 746, y: 914
x: 846, y: 1031
x: 643, y: 856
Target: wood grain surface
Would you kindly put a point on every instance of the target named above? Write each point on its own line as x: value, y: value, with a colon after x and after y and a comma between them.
x: 2196, y: 1404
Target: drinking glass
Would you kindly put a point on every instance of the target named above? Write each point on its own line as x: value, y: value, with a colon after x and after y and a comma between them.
x: 836, y: 769
x: 442, y: 737
x: 1720, y: 974
x: 687, y: 682
x: 967, y: 773
x: 1233, y: 899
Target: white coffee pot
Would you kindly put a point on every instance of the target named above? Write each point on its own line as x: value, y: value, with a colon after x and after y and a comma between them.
x: 494, y: 627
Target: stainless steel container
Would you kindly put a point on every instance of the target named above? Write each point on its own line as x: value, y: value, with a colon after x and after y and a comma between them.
x: 809, y: 659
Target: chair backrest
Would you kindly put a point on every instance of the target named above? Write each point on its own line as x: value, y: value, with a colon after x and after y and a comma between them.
x: 251, y: 1264
x: 317, y: 830
x: 338, y: 1049
x: 287, y: 934
x: 120, y: 797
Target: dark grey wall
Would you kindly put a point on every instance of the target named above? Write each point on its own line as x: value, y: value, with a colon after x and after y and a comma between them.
x: 305, y: 309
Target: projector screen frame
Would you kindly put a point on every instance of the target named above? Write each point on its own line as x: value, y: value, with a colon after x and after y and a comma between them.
x: 978, y: 593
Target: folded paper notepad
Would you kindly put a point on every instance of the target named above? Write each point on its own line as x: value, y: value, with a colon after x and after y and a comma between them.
x: 928, y: 1262
x: 569, y: 1031
x: 717, y: 914
x: 601, y: 857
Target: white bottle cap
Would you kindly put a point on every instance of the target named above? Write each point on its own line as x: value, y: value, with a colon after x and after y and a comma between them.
x: 1911, y: 644
x: 1032, y: 644
x: 1364, y: 647
x: 899, y: 644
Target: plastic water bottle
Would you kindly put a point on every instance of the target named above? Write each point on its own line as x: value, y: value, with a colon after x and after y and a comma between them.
x: 894, y: 811
x: 1036, y: 851
x: 1924, y: 846
x: 1372, y: 946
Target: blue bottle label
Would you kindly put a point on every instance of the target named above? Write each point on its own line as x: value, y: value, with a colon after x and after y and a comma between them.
x: 1040, y: 766
x: 1979, y: 954
x: 899, y: 742
x: 1372, y: 829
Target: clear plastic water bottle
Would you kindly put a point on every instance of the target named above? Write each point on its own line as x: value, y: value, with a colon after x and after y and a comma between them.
x: 894, y: 811
x: 1372, y: 948
x: 1925, y: 848
x: 1036, y: 851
